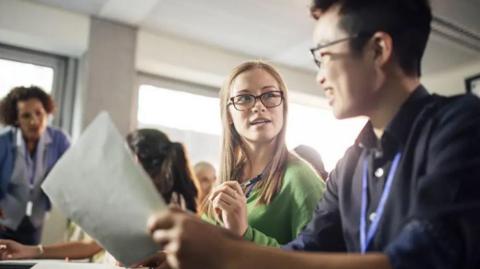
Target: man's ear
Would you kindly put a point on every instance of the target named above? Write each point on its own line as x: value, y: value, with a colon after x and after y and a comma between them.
x: 382, y: 46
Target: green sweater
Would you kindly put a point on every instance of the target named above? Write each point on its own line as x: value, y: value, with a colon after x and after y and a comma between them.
x: 290, y: 210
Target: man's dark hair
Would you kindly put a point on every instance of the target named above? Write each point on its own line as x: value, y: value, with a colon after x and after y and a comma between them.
x: 8, y: 105
x: 407, y: 22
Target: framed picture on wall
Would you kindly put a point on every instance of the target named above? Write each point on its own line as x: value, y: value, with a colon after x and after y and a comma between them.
x: 472, y: 84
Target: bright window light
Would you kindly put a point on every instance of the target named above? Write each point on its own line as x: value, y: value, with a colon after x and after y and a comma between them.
x: 318, y: 128
x: 179, y: 110
x: 13, y: 74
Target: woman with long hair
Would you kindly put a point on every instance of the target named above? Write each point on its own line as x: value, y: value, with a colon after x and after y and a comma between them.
x: 266, y: 194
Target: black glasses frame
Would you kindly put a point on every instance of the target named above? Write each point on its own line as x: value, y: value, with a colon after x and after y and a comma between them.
x: 255, y: 98
x: 317, y: 61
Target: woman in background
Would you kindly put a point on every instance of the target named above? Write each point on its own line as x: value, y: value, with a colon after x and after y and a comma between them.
x: 167, y: 165
x: 29, y: 148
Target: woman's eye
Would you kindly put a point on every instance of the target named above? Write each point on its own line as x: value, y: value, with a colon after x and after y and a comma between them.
x: 270, y: 95
x: 244, y: 99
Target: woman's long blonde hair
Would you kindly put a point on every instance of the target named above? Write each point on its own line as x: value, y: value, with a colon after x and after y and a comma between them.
x: 233, y: 153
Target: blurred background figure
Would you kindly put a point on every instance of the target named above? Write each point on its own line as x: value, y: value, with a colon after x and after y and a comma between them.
x: 167, y: 164
x: 310, y: 155
x: 29, y: 148
x: 206, y: 176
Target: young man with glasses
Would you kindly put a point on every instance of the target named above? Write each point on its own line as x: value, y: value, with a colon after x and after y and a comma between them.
x: 405, y: 195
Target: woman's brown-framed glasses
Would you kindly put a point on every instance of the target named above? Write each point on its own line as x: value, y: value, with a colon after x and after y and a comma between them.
x: 244, y: 102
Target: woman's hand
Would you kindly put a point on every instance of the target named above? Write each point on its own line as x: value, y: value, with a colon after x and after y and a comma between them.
x: 230, y: 204
x: 10, y: 250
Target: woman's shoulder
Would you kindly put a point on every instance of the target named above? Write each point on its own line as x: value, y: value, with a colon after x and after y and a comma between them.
x: 296, y: 165
x: 56, y: 132
x: 58, y: 136
x: 302, y: 183
x: 299, y: 172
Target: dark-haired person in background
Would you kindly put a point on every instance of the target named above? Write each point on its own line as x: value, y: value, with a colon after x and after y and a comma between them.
x: 168, y: 166
x: 312, y: 156
x: 405, y: 195
x: 29, y: 148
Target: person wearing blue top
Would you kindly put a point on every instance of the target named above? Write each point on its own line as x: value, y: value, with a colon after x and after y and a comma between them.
x: 28, y: 151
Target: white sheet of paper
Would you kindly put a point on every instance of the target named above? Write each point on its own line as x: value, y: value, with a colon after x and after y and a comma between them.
x: 99, y: 186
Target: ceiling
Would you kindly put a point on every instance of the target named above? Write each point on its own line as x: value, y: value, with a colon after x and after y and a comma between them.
x: 277, y: 30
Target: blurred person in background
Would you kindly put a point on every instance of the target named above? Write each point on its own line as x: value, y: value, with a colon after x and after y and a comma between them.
x: 206, y: 176
x: 29, y: 148
x: 312, y: 156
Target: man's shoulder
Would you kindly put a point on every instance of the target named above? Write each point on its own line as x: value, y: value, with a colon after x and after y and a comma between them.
x: 467, y: 102
x: 458, y: 108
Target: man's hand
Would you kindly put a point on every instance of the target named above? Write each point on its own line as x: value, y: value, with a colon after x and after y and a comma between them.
x: 189, y: 242
x: 157, y: 261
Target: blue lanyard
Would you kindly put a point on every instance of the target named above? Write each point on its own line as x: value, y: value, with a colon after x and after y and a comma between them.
x: 250, y: 184
x: 366, y: 238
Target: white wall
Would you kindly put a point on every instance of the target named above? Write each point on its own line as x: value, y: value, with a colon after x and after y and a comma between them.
x: 452, y: 81
x: 34, y: 26
x: 111, y: 74
x: 184, y: 60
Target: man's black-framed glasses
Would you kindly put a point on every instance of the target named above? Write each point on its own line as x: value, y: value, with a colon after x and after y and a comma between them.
x: 244, y: 102
x: 317, y: 56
